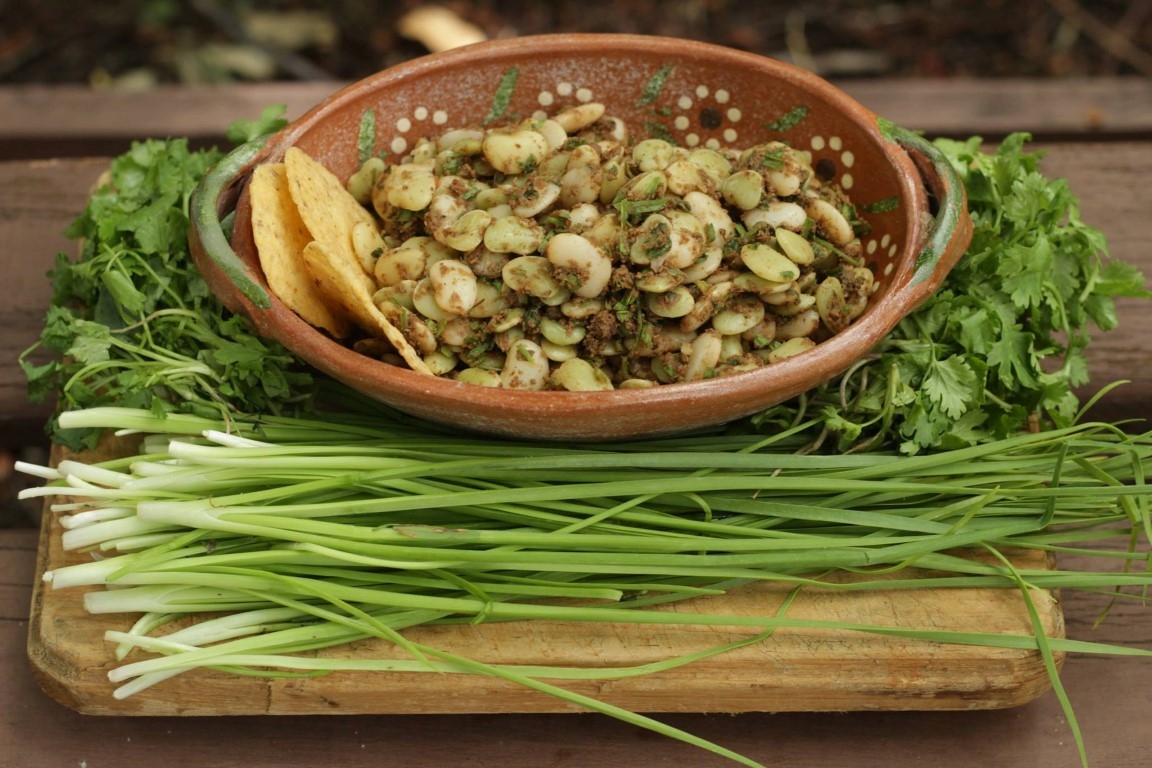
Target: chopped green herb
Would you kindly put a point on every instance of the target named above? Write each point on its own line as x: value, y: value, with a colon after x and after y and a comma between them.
x: 654, y: 85
x: 881, y: 206
x: 366, y: 138
x: 659, y: 131
x: 788, y: 120
x: 503, y: 95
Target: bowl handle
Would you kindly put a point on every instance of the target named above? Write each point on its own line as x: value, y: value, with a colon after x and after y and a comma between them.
x: 214, y: 196
x: 950, y: 230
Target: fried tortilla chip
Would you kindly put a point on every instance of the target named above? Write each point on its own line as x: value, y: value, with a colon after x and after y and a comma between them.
x: 343, y: 281
x: 280, y: 237
x: 326, y: 207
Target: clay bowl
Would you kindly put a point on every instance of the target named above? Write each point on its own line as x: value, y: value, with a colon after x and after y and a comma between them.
x: 691, y: 91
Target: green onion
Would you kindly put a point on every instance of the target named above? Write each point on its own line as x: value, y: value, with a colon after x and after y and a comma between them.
x: 302, y: 534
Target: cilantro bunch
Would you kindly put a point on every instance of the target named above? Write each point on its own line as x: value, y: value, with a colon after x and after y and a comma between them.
x: 132, y: 322
x: 1000, y: 347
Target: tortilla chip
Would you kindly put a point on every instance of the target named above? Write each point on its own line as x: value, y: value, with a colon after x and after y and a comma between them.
x: 280, y: 237
x: 326, y: 207
x: 346, y: 283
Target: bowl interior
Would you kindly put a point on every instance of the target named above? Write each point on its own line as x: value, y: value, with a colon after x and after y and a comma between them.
x: 693, y: 94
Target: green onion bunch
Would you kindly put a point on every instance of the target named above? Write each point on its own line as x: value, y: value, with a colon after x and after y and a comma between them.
x: 285, y: 535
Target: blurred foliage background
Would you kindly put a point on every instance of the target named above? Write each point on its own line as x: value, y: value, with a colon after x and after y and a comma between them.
x: 116, y: 43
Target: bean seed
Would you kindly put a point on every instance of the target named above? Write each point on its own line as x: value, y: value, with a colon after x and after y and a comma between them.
x: 684, y: 176
x: 583, y: 216
x: 479, y: 377
x: 741, y: 314
x: 830, y: 304
x: 580, y: 308
x: 425, y: 302
x: 578, y: 375
x: 553, y: 131
x: 456, y: 332
x: 410, y: 186
x: 453, y: 286
x: 506, y: 320
x: 711, y: 215
x: 800, y: 325
x: 743, y: 189
x: 830, y: 221
x: 583, y: 261
x: 515, y: 152
x: 399, y: 293
x: 558, y: 353
x: 704, y: 266
x: 776, y: 214
x: 467, y: 232
x: 581, y: 180
x: 711, y: 162
x: 795, y: 247
x: 440, y: 362
x: 513, y: 234
x: 769, y: 263
x: 489, y: 301
x: 399, y: 264
x: 790, y: 348
x: 525, y: 366
x: 762, y: 334
x: 676, y: 302
x: 367, y: 244
x: 659, y: 282
x: 705, y: 306
x: 563, y: 334
x: 653, y: 155
x: 361, y: 182
x: 535, y: 197
x: 579, y: 117
x: 532, y: 275
x: 463, y: 141
x: 703, y: 357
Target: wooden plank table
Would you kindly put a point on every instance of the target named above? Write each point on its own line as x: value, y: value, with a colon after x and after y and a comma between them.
x: 1106, y: 165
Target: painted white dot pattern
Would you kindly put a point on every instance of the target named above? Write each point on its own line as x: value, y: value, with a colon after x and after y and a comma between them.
x: 584, y: 95
x: 681, y: 123
x: 735, y: 114
x: 685, y: 102
x: 403, y: 125
x: 702, y: 91
x: 439, y: 117
x: 722, y: 96
x: 399, y: 145
x: 846, y: 181
x: 730, y: 135
x: 564, y: 89
x: 817, y: 143
x: 545, y: 99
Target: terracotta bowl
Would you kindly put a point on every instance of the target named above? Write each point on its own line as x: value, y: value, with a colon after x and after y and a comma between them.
x: 696, y: 93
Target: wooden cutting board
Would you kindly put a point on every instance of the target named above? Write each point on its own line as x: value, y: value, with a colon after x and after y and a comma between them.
x: 795, y: 670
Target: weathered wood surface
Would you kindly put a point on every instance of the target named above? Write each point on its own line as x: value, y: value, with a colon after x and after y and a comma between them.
x: 1113, y: 698
x: 40, y: 121
x: 1100, y: 135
